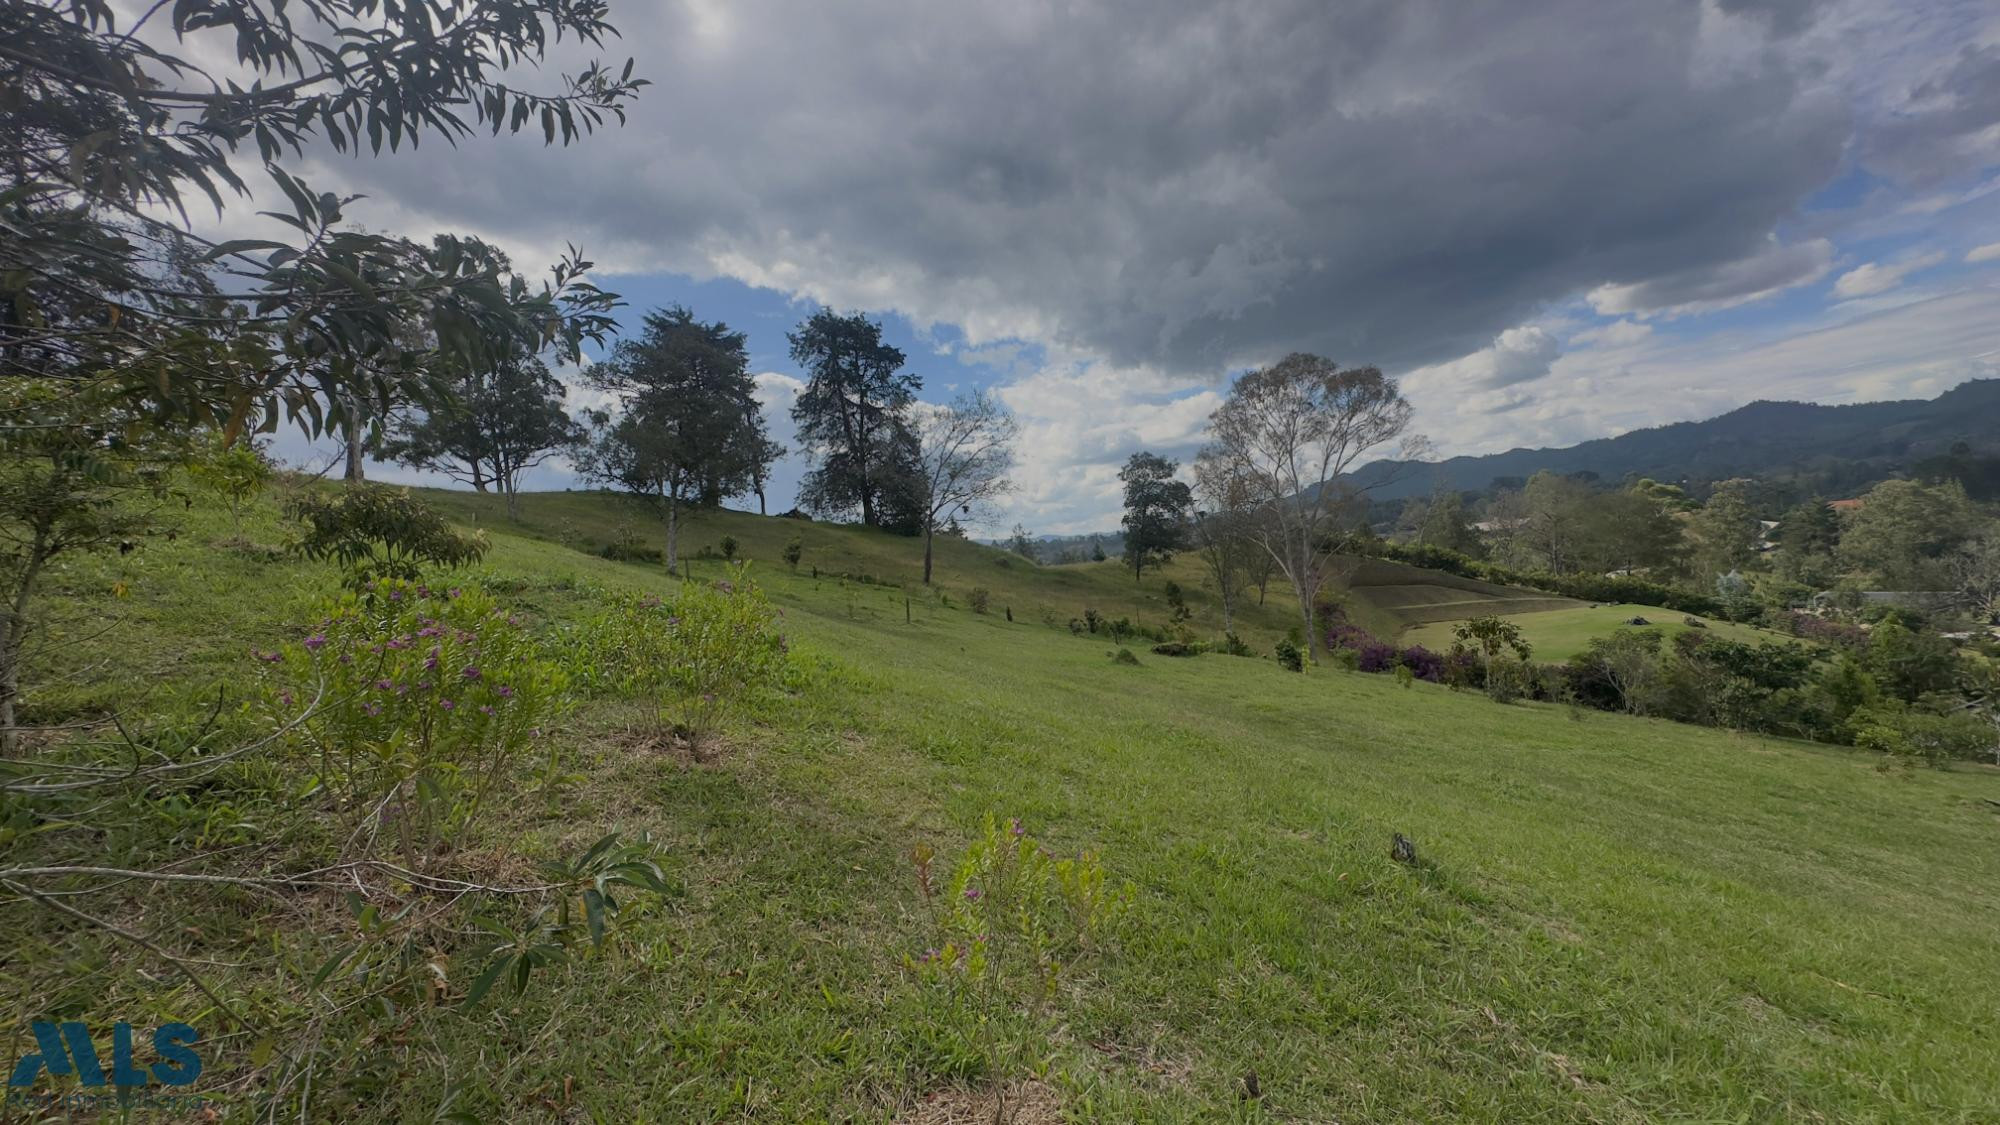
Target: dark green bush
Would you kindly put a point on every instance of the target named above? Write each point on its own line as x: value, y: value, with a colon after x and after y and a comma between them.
x: 632, y: 552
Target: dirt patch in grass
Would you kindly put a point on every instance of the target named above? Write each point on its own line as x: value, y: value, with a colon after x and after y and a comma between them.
x: 1027, y: 1103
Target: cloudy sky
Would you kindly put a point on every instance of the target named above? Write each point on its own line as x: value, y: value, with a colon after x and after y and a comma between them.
x: 1553, y: 221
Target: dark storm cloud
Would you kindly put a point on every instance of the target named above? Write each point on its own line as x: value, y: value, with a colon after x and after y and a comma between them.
x: 1180, y: 186
x: 1949, y: 114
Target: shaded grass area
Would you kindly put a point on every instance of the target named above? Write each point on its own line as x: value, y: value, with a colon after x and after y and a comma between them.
x: 1613, y: 919
x: 1560, y: 634
x: 586, y: 521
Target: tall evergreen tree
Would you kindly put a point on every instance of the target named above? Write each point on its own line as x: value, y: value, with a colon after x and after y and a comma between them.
x: 1156, y: 511
x: 689, y: 432
x: 853, y: 416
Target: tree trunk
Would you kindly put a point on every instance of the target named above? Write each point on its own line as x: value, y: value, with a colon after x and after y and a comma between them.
x: 354, y: 473
x: 760, y: 499
x: 513, y: 501
x: 1307, y: 591
x: 673, y: 534
x: 927, y: 552
x: 13, y: 633
x: 10, y: 682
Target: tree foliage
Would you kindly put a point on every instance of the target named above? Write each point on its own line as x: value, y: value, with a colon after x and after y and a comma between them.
x: 854, y: 417
x: 1291, y: 432
x: 964, y: 451
x: 109, y: 138
x: 496, y: 424
x: 376, y: 532
x: 1157, y: 508
x: 689, y: 431
x: 1905, y: 532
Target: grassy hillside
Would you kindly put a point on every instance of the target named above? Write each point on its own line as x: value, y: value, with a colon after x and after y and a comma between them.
x: 1562, y: 633
x: 1614, y: 919
x: 588, y: 520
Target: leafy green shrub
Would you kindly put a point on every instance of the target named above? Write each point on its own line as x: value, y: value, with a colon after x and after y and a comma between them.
x: 729, y: 547
x: 415, y: 701
x: 632, y: 552
x: 979, y: 598
x: 585, y: 902
x: 1345, y: 659
x: 1621, y: 672
x: 1232, y: 645
x: 699, y: 654
x: 1290, y: 657
x: 376, y: 532
x: 1490, y: 635
x: 1176, y: 648
x: 236, y: 471
x: 795, y: 549
x: 1919, y: 736
x: 1124, y: 656
x: 1405, y: 677
x: 1509, y: 678
x: 1010, y: 924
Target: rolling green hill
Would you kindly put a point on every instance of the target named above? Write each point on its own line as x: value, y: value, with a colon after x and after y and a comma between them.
x: 1612, y: 919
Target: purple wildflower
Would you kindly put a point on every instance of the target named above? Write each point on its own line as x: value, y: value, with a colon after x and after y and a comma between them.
x: 973, y: 894
x: 1016, y: 828
x: 471, y: 672
x: 445, y: 705
x: 314, y: 642
x: 504, y: 692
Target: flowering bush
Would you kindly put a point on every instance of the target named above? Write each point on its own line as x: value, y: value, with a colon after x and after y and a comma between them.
x: 1424, y: 664
x: 1372, y: 654
x: 699, y: 654
x: 1376, y: 657
x: 418, y: 700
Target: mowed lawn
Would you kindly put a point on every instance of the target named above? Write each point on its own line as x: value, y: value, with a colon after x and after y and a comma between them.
x: 1613, y: 919
x: 1562, y: 633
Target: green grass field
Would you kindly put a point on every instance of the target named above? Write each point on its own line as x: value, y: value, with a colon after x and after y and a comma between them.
x: 1615, y: 919
x: 1562, y: 633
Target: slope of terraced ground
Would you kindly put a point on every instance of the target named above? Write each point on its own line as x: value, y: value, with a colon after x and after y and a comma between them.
x: 1388, y: 597
x: 1562, y: 633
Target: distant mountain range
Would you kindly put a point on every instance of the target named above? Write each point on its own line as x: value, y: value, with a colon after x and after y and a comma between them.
x: 1838, y: 445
